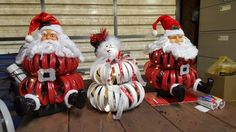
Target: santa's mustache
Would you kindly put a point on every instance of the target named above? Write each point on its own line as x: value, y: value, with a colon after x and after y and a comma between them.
x: 49, y: 42
x: 62, y: 48
x: 183, y: 49
x: 50, y: 46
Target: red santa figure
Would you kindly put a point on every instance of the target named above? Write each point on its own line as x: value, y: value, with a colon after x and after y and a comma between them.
x: 117, y: 85
x: 172, y: 56
x: 50, y: 60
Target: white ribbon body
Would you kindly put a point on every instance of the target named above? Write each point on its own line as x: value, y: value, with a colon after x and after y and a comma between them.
x: 107, y: 73
x: 102, y: 95
x: 115, y: 87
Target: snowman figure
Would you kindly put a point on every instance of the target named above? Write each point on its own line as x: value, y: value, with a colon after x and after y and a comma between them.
x: 117, y: 85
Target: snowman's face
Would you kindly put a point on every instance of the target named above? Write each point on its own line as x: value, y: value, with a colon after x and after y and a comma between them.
x: 108, y: 50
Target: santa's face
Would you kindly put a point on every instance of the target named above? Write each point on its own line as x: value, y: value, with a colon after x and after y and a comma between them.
x: 49, y: 35
x: 179, y: 45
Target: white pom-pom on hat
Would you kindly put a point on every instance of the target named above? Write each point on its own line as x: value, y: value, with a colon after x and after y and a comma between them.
x: 154, y: 33
x: 29, y: 38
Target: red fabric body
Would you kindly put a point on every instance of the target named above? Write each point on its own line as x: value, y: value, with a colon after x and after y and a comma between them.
x: 50, y: 92
x: 163, y: 70
x: 62, y: 65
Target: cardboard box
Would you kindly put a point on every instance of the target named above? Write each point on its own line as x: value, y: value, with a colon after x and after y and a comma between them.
x: 224, y: 86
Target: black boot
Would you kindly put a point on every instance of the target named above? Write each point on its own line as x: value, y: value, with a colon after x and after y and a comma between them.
x: 78, y: 99
x: 163, y: 93
x: 205, y: 87
x: 178, y: 92
x: 24, y: 105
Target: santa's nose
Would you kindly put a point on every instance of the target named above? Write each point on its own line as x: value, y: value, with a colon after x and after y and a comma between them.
x: 47, y: 37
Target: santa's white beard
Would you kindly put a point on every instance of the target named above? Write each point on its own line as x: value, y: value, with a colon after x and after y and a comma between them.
x: 62, y: 48
x: 50, y: 46
x: 183, y: 49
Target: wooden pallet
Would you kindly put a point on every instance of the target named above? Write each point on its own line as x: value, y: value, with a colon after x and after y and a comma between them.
x: 178, y: 117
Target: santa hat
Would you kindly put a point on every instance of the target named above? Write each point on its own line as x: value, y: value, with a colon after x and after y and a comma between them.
x: 42, y: 22
x: 170, y: 25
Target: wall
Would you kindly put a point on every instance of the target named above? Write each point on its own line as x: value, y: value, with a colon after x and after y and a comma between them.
x: 130, y: 19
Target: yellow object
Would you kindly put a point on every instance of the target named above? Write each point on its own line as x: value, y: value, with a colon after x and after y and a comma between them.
x: 223, y: 66
x: 109, y: 117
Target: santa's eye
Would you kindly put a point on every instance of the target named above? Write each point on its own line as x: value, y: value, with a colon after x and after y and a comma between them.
x: 172, y: 37
x: 106, y: 45
x: 44, y: 34
x: 180, y: 36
